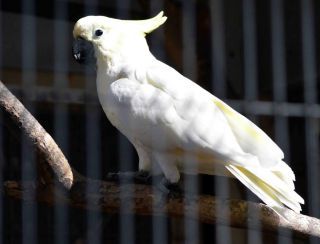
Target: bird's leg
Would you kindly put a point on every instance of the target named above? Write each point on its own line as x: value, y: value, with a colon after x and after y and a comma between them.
x: 169, y: 184
x: 140, y: 177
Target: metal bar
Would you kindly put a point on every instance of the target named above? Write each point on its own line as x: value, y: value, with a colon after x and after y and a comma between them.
x: 47, y: 94
x: 308, y: 52
x: 250, y: 49
x: 28, y: 172
x: 189, y: 56
x: 2, y: 140
x: 156, y: 42
x: 278, y: 52
x: 279, y: 73
x: 93, y: 143
x: 312, y: 134
x: 273, y: 108
x: 125, y: 156
x: 222, y: 233
x: 61, y: 235
x: 189, y: 52
x: 2, y: 163
x: 218, y: 48
x: 310, y: 96
x: 159, y: 223
x: 279, y: 83
x: 250, y: 81
x: 79, y: 96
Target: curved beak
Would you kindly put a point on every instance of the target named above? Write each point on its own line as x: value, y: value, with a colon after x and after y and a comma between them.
x: 83, y: 51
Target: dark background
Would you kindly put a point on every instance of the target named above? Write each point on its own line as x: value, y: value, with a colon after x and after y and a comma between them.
x: 37, y: 65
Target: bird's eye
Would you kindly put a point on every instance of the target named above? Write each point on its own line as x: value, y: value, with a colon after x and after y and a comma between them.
x: 98, y: 32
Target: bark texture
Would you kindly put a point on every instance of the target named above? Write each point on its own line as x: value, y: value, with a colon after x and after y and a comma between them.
x: 46, y: 147
x: 145, y: 200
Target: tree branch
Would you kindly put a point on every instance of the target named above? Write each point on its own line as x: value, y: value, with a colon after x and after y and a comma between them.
x: 46, y: 147
x: 105, y: 196
x: 144, y: 200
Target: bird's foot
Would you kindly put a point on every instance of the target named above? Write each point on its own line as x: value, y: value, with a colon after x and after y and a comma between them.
x: 140, y: 177
x: 170, y: 190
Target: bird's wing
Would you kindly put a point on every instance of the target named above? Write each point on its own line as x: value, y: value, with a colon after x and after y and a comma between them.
x: 250, y: 155
x: 250, y: 138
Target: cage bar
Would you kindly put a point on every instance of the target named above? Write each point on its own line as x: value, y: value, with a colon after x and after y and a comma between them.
x: 310, y: 98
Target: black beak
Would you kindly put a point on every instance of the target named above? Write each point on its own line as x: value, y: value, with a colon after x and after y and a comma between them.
x: 83, y: 51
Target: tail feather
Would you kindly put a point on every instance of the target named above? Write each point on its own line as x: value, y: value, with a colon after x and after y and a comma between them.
x: 285, y: 173
x: 271, y: 187
x: 249, y: 181
x: 276, y: 183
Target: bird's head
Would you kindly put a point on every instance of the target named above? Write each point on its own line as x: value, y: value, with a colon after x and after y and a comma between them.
x: 100, y: 37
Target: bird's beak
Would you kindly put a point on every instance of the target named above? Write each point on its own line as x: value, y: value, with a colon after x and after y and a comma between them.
x: 83, y: 51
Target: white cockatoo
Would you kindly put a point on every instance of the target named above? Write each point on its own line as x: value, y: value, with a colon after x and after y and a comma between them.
x: 172, y: 122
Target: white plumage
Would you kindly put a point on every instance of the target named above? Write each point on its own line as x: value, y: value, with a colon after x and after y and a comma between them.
x: 168, y: 118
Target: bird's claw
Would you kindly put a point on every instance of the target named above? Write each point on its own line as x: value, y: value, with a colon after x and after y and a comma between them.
x: 170, y: 190
x: 143, y: 177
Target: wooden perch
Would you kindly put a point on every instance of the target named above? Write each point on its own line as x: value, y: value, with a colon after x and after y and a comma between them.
x: 105, y: 196
x: 43, y: 142
x: 145, y: 200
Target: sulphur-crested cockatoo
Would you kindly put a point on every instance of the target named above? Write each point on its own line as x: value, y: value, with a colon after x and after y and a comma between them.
x: 172, y: 122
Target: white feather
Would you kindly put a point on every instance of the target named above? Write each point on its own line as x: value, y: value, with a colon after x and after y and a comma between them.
x: 168, y: 117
